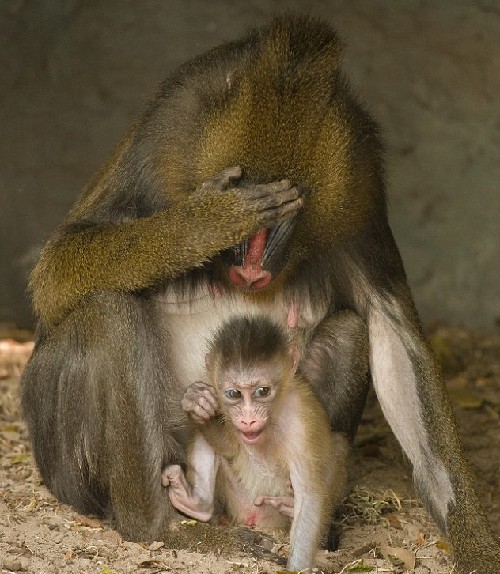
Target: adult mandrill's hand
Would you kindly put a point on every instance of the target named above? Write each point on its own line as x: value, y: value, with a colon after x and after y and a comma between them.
x: 252, y: 206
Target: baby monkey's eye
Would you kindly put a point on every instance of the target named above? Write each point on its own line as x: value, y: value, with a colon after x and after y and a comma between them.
x: 261, y: 392
x: 233, y: 394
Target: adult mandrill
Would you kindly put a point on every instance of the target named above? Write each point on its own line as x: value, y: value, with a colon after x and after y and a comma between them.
x: 172, y: 238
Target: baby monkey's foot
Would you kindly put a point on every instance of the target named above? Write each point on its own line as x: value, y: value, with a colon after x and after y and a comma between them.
x: 182, y: 496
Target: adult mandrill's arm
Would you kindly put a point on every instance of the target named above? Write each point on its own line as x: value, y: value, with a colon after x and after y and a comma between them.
x: 128, y: 256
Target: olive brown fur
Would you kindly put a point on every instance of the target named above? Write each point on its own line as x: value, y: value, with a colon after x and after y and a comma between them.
x: 261, y: 133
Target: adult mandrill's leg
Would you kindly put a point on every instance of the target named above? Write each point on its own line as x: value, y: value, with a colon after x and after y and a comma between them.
x: 415, y: 403
x: 102, y: 411
x: 336, y: 365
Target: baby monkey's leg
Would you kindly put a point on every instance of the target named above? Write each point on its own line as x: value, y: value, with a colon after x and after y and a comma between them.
x: 194, y: 497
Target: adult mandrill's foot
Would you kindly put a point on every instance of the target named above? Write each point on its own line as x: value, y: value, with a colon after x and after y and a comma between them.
x: 476, y: 549
x: 485, y: 562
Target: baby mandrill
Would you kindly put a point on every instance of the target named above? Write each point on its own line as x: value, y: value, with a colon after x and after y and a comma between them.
x: 263, y: 448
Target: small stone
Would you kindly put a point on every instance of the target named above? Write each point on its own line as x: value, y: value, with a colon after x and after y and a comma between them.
x: 59, y: 538
x: 266, y: 543
x: 15, y: 565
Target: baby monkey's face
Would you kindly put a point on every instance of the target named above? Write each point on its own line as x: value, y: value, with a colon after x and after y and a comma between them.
x: 247, y: 396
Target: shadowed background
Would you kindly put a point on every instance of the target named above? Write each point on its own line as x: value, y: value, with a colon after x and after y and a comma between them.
x: 75, y: 73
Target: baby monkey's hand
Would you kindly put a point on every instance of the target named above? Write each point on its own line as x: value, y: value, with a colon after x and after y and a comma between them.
x: 199, y: 402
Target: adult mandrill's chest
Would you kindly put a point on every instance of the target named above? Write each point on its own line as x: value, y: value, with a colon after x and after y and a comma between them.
x: 190, y: 322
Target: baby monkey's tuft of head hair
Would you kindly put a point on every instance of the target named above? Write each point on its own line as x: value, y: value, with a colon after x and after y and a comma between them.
x: 246, y: 340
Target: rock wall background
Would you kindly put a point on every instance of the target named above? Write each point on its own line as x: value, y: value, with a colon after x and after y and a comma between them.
x: 76, y: 72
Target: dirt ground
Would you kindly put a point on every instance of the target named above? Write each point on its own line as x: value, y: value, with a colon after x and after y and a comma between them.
x: 385, y: 528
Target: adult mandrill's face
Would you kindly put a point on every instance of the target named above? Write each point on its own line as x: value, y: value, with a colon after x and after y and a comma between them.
x: 256, y: 262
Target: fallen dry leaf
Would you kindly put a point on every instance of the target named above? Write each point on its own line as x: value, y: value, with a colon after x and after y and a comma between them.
x: 399, y: 556
x: 19, y: 458
x: 356, y: 566
x: 442, y: 545
x: 394, y: 521
x: 465, y: 399
x: 420, y: 538
x: 88, y: 522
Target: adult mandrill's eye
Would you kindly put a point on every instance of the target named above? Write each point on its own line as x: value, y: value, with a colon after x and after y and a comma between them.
x: 233, y: 394
x: 261, y: 392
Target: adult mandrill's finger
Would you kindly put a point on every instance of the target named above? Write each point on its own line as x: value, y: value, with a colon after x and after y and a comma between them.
x: 223, y: 180
x: 270, y: 189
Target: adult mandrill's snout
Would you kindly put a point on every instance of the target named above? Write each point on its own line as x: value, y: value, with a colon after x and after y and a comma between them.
x: 251, y: 274
x: 249, y: 277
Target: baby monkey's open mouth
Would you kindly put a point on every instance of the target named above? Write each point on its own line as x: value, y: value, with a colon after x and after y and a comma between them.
x: 251, y: 437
